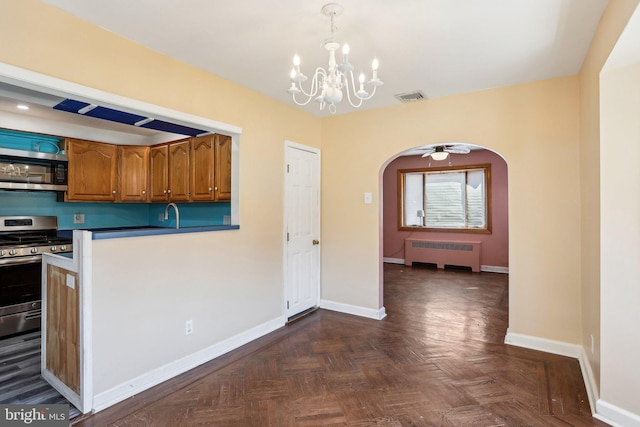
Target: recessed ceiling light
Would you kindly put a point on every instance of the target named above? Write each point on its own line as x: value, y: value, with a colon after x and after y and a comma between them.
x: 22, y: 107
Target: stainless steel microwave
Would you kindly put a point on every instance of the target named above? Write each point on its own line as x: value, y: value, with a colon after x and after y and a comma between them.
x: 33, y: 171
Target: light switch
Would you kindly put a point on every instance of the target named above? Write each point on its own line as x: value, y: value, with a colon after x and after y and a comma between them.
x: 368, y: 198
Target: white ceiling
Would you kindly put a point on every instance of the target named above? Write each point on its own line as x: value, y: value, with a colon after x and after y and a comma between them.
x: 440, y: 47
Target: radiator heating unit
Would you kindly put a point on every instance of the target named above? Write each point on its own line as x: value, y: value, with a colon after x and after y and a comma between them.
x: 441, y: 253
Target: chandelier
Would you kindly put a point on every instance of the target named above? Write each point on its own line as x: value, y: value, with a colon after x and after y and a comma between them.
x: 327, y: 85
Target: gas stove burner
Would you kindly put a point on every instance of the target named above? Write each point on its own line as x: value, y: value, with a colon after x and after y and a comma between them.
x: 25, y: 239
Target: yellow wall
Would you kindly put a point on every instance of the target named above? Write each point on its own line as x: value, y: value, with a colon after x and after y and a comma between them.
x: 524, y: 123
x: 239, y: 272
x: 553, y: 199
x: 611, y: 25
x: 42, y: 38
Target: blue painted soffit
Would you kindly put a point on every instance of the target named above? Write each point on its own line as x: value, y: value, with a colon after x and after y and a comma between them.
x: 86, y: 109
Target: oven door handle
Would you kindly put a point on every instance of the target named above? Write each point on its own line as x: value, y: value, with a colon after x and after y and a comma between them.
x: 21, y: 260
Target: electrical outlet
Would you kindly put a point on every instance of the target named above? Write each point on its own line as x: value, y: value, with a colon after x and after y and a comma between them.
x: 78, y: 218
x: 226, y: 220
x: 188, y: 327
x: 161, y: 217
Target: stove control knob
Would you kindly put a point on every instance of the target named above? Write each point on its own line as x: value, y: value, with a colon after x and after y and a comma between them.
x: 34, y: 250
x: 12, y: 251
x: 63, y: 247
x: 1, y: 252
x: 54, y: 248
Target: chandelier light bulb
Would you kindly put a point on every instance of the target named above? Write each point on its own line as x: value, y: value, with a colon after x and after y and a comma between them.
x: 329, y: 85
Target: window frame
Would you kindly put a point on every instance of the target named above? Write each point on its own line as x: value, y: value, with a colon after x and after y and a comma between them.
x: 487, y: 181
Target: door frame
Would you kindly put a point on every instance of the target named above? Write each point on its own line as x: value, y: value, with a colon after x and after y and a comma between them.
x: 287, y: 145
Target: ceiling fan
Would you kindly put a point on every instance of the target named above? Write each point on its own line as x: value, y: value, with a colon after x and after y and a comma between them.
x: 441, y: 152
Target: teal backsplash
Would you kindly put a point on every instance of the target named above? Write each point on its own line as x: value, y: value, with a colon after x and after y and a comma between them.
x: 104, y: 215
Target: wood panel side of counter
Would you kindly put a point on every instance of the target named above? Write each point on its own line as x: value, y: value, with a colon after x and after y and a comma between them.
x: 63, y: 327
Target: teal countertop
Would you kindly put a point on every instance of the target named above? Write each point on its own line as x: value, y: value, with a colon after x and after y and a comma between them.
x: 121, y: 232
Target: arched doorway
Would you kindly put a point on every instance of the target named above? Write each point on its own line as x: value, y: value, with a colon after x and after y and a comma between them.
x: 494, y: 243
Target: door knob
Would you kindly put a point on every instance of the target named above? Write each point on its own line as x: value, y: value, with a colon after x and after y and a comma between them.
x: 316, y: 242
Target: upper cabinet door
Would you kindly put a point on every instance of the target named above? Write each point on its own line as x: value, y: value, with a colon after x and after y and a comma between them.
x: 202, y: 168
x: 179, y: 171
x: 92, y: 171
x: 159, y: 173
x: 133, y: 173
x: 222, y: 168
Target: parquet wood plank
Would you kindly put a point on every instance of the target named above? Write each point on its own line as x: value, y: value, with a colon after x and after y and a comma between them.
x: 438, y: 359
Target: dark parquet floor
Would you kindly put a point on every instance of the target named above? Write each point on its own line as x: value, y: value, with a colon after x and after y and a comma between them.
x: 437, y: 359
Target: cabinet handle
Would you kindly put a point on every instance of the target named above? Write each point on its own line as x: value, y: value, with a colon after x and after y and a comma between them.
x: 164, y: 192
x: 169, y: 191
x: 216, y: 188
x: 144, y: 192
x: 210, y: 188
x: 113, y: 192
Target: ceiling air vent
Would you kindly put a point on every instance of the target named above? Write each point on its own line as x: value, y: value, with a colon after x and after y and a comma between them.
x: 414, y: 96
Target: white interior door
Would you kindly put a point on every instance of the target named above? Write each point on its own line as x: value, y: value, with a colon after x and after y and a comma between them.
x: 302, y: 228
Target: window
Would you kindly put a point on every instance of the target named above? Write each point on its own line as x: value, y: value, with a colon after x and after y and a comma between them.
x: 445, y: 199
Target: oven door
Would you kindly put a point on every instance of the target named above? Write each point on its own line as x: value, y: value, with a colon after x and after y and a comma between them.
x: 20, y: 295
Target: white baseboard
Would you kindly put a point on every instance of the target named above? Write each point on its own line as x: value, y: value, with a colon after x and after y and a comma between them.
x: 354, y: 309
x: 494, y: 269
x: 589, y: 380
x: 601, y: 410
x: 543, y: 344
x: 145, y: 381
x: 615, y: 416
x: 485, y: 268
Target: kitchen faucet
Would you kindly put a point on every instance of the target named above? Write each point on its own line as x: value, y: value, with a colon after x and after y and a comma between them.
x: 166, y: 213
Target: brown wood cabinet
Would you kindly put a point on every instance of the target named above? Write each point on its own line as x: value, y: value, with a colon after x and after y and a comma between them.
x: 202, y: 168
x: 211, y: 168
x: 133, y: 173
x: 92, y: 171
x: 196, y: 169
x: 63, y: 327
x: 159, y: 173
x: 179, y: 171
x: 223, y: 168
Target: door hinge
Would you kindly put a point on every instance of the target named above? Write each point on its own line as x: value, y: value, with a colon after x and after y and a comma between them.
x: 287, y: 167
x: 287, y: 236
x: 287, y: 305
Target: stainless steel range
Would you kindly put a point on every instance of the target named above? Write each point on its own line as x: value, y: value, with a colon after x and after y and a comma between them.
x: 23, y: 240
